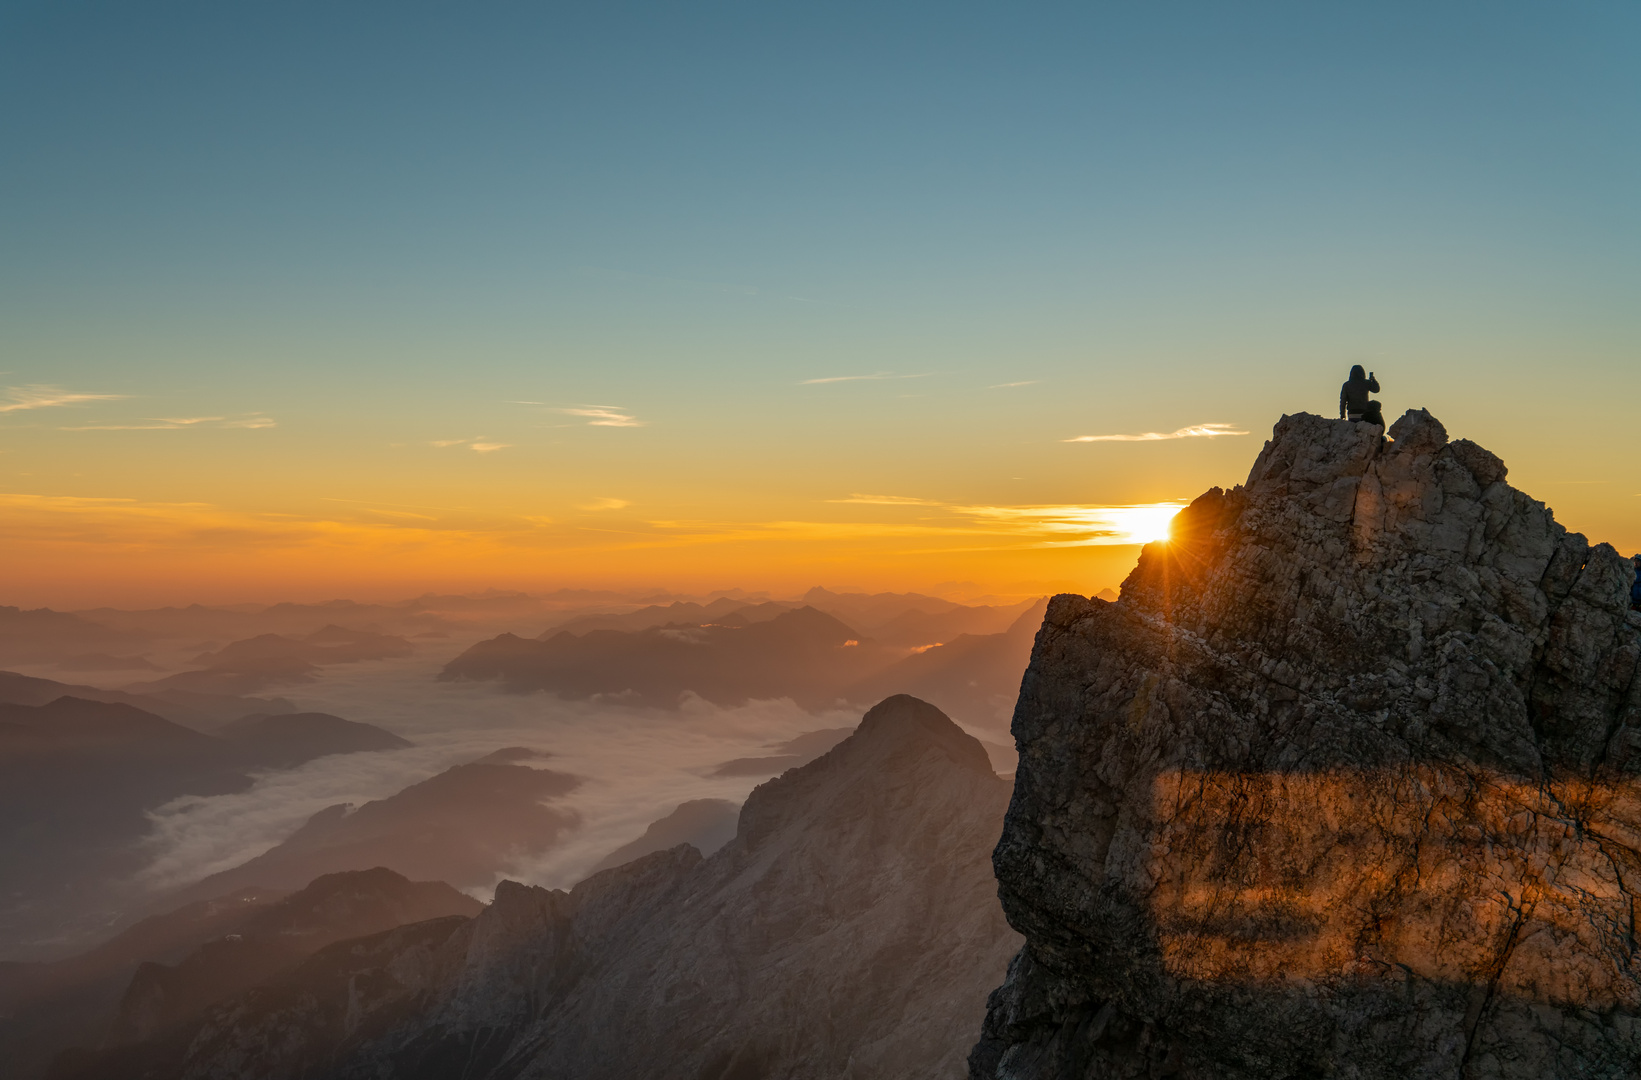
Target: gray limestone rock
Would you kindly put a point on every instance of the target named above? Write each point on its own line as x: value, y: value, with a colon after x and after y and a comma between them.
x: 1346, y: 784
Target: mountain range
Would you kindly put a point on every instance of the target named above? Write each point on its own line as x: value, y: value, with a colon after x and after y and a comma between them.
x: 765, y: 651
x: 77, y: 778
x: 850, y: 928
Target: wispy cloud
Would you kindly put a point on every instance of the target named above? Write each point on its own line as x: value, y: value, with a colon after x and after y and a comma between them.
x: 885, y: 500
x: 863, y: 378
x: 407, y: 514
x: 401, y: 506
x: 1007, y: 385
x: 251, y: 421
x: 1195, y: 431
x: 606, y: 504
x: 604, y: 415
x: 23, y: 398
x: 478, y: 443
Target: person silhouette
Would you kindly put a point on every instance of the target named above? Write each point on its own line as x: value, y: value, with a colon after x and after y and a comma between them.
x: 1354, y: 403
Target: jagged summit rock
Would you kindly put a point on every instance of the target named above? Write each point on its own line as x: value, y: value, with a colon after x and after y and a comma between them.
x: 1344, y: 785
x: 851, y: 928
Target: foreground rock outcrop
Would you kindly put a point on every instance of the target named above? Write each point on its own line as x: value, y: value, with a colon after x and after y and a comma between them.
x: 851, y: 928
x: 1345, y: 785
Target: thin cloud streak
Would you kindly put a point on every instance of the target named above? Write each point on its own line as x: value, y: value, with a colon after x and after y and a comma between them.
x: 251, y: 421
x: 606, y: 504
x: 476, y: 443
x: 1006, y: 385
x: 36, y: 396
x: 886, y: 500
x: 1195, y: 431
x: 863, y: 378
x: 604, y: 416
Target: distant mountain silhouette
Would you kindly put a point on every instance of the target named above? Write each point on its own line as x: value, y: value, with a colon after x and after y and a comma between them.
x: 285, y: 740
x: 462, y: 826
x: 101, y: 661
x: 680, y: 612
x: 268, y: 659
x: 704, y: 824
x: 912, y: 619
x: 974, y: 678
x: 72, y: 725
x: 892, y: 619
x: 43, y: 634
x: 803, y: 654
x: 77, y: 778
x: 202, y: 711
x: 787, y: 755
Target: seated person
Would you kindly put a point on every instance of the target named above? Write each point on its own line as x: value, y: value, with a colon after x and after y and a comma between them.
x: 1354, y: 403
x: 1635, y: 590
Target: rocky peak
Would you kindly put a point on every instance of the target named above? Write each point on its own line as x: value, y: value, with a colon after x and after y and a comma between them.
x: 1344, y: 784
x: 901, y: 743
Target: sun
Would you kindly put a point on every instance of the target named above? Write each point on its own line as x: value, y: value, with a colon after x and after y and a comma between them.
x: 1144, y: 524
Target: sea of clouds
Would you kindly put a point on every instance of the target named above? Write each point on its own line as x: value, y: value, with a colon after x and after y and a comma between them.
x: 637, y: 764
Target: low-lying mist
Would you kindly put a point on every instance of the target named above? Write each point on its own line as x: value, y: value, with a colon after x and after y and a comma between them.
x: 637, y: 764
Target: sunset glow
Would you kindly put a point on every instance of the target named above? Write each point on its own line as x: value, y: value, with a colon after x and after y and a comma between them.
x: 1143, y: 524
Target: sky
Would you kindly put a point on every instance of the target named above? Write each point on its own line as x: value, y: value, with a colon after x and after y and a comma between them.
x: 307, y: 300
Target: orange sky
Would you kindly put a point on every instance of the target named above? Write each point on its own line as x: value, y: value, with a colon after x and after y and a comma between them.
x: 184, y: 523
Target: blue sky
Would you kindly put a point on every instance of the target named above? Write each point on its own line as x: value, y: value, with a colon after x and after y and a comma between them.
x: 382, y: 225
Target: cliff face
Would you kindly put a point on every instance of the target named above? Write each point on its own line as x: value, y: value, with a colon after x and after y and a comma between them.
x: 1346, y: 784
x: 851, y: 928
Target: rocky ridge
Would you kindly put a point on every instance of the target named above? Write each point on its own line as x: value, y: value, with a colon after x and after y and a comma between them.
x: 1344, y: 785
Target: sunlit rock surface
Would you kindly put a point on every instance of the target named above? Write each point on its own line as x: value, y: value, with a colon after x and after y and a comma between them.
x: 850, y: 929
x: 1345, y: 785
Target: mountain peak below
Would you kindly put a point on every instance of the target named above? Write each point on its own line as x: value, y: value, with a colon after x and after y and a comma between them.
x: 901, y: 719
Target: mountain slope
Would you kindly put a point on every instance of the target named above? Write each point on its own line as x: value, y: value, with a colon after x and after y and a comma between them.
x: 227, y: 945
x: 45, y: 1007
